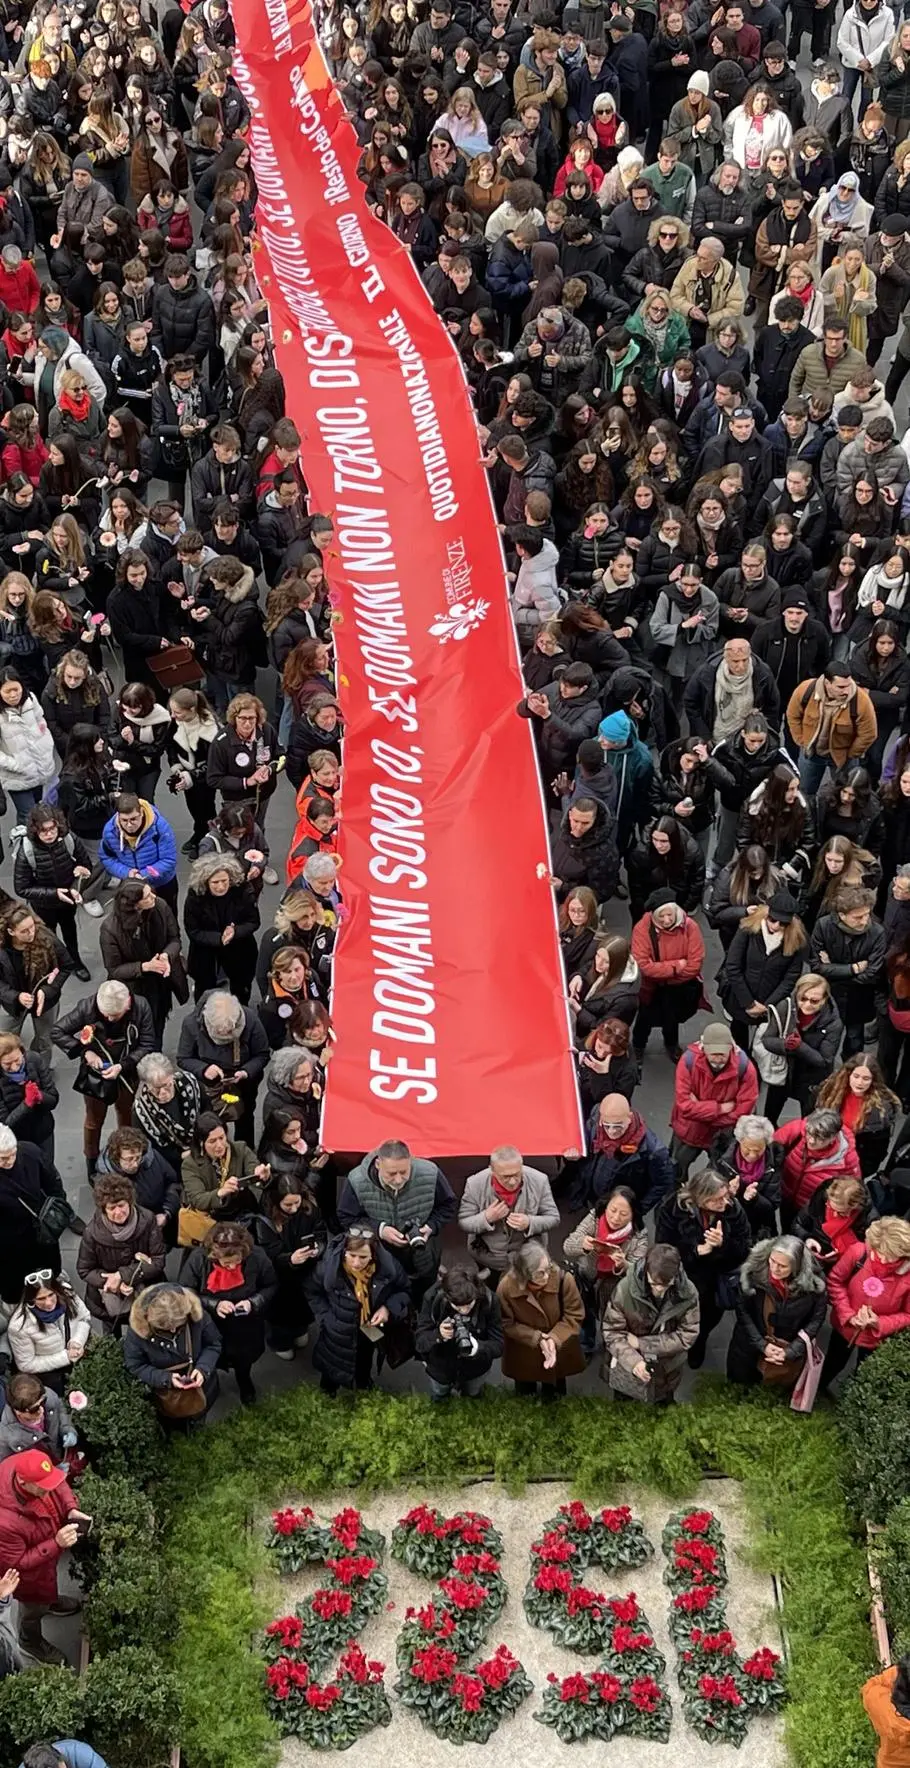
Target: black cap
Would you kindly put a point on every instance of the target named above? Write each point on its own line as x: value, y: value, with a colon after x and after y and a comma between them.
x: 782, y: 907
x: 796, y: 598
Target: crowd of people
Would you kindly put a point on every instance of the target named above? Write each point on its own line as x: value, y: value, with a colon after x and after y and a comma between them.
x: 674, y: 262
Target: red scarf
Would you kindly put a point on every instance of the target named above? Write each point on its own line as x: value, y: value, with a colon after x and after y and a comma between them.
x: 780, y: 1288
x: 220, y: 1279
x: 627, y: 1143
x: 839, y: 1229
x: 851, y: 1110
x: 606, y: 1266
x: 77, y: 404
x: 502, y: 1191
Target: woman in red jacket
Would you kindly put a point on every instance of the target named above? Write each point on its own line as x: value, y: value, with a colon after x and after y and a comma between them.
x: 23, y: 450
x: 38, y: 1512
x: 870, y: 1294
x: 669, y: 950
x: 816, y: 1148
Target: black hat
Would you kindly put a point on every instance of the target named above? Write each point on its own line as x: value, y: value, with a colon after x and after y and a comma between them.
x: 796, y: 598
x: 895, y: 225
x: 660, y: 899
x: 782, y: 907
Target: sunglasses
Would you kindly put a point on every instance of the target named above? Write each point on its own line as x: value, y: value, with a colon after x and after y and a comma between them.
x: 361, y: 1234
x: 39, y: 1276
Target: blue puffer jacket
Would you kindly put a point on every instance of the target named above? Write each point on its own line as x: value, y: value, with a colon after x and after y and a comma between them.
x: 78, y: 1755
x: 154, y: 854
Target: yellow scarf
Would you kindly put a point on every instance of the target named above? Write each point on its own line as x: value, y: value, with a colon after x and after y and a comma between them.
x: 857, y: 323
x: 361, y: 1281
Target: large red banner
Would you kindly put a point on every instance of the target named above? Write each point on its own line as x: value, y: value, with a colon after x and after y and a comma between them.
x: 448, y: 1004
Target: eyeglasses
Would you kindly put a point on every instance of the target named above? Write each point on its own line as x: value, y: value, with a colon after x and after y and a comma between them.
x: 365, y: 1234
x: 39, y: 1276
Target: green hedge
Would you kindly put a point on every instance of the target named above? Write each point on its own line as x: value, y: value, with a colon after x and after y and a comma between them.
x: 875, y: 1417
x: 304, y: 1445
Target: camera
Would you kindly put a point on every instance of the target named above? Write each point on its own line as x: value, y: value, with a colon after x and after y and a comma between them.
x: 463, y: 1340
x: 412, y: 1232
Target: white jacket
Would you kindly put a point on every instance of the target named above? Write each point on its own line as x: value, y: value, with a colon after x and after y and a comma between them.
x: 778, y: 133
x: 26, y: 746
x: 37, y: 1349
x: 864, y: 40
x: 75, y: 359
x: 535, y: 598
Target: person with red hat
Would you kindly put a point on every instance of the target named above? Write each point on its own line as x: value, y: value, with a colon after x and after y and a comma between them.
x: 39, y: 1521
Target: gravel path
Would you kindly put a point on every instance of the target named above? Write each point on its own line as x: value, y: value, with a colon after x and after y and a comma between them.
x: 408, y: 1744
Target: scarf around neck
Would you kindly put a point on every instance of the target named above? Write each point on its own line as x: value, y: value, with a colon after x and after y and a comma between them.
x: 734, y: 699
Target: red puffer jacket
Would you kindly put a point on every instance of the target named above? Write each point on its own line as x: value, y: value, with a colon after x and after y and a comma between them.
x: 861, y: 1279
x: 27, y: 1529
x: 700, y: 1092
x: 805, y: 1170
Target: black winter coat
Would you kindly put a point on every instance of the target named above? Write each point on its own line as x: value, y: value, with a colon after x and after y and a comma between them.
x: 178, y: 452
x: 204, y: 918
x: 51, y: 867
x: 305, y: 738
x: 724, y: 915
x: 14, y: 977
x: 127, y: 1039
x: 792, y: 659
x: 158, y: 1188
x: 31, y: 1123
x: 671, y: 786
x: 799, y: 1311
x: 135, y: 617
x: 591, y: 859
x: 123, y: 954
x: 773, y: 361
x: 62, y: 713
x: 197, y: 1051
x: 440, y: 1356
x: 242, y: 1335
x: 736, y: 773
x: 727, y: 218
x: 856, y: 995
x: 231, y: 637
x: 87, y: 800
x: 699, y: 694
x: 337, y: 1309
x: 570, y: 721
x: 647, y: 871
x: 211, y: 481
x: 750, y: 973
x: 760, y: 1209
x: 814, y: 1058
x: 183, y: 320
x: 675, y: 1225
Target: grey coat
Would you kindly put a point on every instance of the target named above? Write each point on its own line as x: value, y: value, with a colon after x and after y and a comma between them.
x: 493, y: 1243
x: 14, y: 1438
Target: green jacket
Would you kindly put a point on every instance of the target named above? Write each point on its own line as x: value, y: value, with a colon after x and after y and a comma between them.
x: 676, y: 193
x: 676, y: 339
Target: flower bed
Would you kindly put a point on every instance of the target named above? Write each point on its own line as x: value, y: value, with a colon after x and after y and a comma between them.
x: 722, y: 1694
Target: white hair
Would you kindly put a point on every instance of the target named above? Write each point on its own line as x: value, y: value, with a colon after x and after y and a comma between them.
x: 505, y: 1154
x: 8, y: 1142
x: 319, y: 866
x: 753, y: 1129
x: 113, y: 997
x: 155, y: 1068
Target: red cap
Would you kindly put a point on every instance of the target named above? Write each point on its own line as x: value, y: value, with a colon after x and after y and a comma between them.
x: 39, y: 1470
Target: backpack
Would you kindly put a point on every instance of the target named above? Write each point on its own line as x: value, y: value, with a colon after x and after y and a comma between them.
x: 21, y: 842
x: 854, y: 715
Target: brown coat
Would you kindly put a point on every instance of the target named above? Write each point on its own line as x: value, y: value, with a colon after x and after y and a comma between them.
x: 854, y: 727
x: 556, y: 1311
x: 146, y: 170
x: 892, y: 1729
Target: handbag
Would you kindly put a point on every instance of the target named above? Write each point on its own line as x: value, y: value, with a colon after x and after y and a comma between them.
x: 192, y: 1226
x: 774, y: 1069
x: 181, y: 1402
x: 802, y: 1398
x: 177, y: 667
x: 52, y: 1219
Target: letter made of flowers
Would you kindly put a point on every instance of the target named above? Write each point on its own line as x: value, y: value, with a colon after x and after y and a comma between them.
x: 722, y: 1693
x: 460, y: 1702
x: 299, y: 1648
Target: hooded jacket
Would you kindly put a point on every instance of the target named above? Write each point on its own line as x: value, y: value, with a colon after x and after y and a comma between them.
x: 152, y: 853
x: 591, y: 858
x: 700, y: 1091
x: 26, y: 746
x: 151, y: 1355
x: 665, y: 1328
x: 804, y: 1169
x: 28, y: 1529
x: 231, y: 634
x: 535, y: 597
x: 795, y: 656
x: 441, y: 1357
x: 647, y: 871
x: 183, y: 320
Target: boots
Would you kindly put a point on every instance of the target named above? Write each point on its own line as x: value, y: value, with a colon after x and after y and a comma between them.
x: 32, y: 1642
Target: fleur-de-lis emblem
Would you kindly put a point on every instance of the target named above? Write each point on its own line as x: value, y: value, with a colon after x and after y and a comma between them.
x: 458, y: 620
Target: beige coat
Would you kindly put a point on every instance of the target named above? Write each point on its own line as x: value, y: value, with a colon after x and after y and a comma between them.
x: 727, y: 298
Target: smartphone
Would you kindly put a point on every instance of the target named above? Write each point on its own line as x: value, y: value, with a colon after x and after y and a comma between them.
x: 84, y: 1525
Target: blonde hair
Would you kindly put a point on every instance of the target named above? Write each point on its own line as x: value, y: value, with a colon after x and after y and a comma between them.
x: 810, y: 980
x: 889, y: 1237
x: 20, y: 578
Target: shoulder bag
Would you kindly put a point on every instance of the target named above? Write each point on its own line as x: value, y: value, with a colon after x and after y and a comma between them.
x: 181, y: 1402
x: 773, y: 1069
